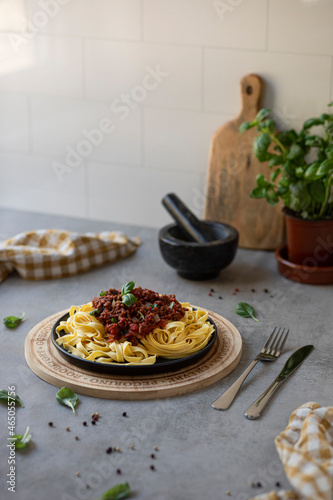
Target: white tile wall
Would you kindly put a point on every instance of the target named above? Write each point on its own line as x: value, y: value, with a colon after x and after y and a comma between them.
x: 14, y: 124
x: 65, y: 66
x: 60, y: 122
x: 117, y: 68
x: 177, y: 140
x: 29, y: 183
x: 118, y: 19
x: 126, y: 194
x: 220, y: 23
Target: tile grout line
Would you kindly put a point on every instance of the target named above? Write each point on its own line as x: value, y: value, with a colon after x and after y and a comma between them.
x: 330, y: 96
x: 29, y: 120
x: 267, y: 26
x: 83, y: 65
x: 141, y: 20
x: 143, y: 116
x: 203, y: 79
x: 86, y: 190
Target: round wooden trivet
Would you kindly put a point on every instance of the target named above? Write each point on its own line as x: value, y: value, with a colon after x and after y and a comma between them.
x: 44, y: 360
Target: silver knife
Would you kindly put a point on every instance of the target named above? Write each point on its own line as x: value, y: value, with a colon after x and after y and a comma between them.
x: 255, y: 410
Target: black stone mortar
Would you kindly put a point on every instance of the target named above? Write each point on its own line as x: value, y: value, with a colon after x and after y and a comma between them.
x: 199, y: 261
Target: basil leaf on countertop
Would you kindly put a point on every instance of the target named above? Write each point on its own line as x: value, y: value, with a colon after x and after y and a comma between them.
x: 118, y: 492
x: 21, y: 441
x: 67, y: 397
x: 4, y: 396
x: 245, y: 310
x: 12, y: 321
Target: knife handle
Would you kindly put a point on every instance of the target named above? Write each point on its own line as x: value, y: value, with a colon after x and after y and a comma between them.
x: 224, y: 401
x: 254, y: 411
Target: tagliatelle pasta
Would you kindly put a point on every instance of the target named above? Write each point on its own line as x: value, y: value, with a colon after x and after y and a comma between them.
x: 85, y: 336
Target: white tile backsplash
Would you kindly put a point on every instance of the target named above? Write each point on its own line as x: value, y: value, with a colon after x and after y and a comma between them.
x: 13, y: 15
x: 108, y: 200
x: 169, y: 76
x: 188, y: 132
x: 306, y: 29
x: 219, y: 23
x: 29, y: 183
x: 14, y: 125
x: 61, y: 122
x: 289, y: 84
x: 40, y: 65
x: 118, y: 19
x: 166, y: 73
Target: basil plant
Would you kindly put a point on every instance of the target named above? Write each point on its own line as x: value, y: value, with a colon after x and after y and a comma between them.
x: 301, y: 165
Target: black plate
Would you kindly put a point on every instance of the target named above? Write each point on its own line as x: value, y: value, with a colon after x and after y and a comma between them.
x: 161, y: 365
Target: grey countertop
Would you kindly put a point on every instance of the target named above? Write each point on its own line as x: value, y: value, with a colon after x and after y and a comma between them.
x: 203, y: 453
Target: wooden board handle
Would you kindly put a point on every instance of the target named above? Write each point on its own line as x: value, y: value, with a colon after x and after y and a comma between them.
x: 251, y: 90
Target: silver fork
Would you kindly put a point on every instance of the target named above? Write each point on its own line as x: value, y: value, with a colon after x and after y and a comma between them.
x: 270, y: 352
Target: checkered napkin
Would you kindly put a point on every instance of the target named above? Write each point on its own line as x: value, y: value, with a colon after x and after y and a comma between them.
x: 52, y: 253
x: 306, y: 451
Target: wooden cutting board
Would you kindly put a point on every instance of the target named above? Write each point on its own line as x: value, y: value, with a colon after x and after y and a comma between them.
x: 44, y: 360
x: 231, y: 177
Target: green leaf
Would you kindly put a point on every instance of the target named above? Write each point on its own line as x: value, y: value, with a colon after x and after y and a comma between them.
x: 118, y: 492
x: 245, y: 310
x: 12, y: 321
x: 258, y: 192
x: 312, y: 122
x: 275, y: 173
x: 317, y: 191
x: 262, y: 113
x: 141, y: 315
x: 326, y: 167
x: 311, y: 172
x: 102, y: 294
x: 268, y: 124
x: 330, y: 104
x: 67, y: 397
x: 129, y: 299
x: 246, y: 126
x: 313, y: 141
x: 271, y: 196
x: 94, y: 312
x: 299, y: 172
x: 261, y: 181
x: 4, y: 396
x: 275, y: 160
x: 21, y: 441
x: 260, y: 146
x: 128, y: 287
x: 294, y: 152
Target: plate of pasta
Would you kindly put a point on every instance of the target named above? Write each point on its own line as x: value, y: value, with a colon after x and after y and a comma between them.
x: 134, y: 331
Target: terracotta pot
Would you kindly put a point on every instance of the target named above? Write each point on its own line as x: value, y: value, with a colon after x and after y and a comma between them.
x: 309, y: 242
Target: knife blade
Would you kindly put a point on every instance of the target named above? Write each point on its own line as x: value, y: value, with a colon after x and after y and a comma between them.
x: 254, y: 411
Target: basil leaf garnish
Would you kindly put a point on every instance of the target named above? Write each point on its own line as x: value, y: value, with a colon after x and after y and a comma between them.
x: 94, y: 312
x: 245, y: 310
x: 67, y: 397
x: 4, y: 396
x: 12, y: 321
x: 142, y: 315
x: 129, y: 299
x: 21, y: 441
x: 102, y: 294
x: 128, y: 287
x: 118, y: 492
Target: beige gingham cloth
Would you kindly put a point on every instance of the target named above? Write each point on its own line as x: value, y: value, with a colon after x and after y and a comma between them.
x: 306, y: 452
x: 52, y: 253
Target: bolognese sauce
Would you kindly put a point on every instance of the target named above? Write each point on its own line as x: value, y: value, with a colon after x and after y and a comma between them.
x: 151, y: 310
